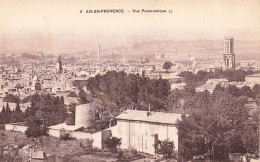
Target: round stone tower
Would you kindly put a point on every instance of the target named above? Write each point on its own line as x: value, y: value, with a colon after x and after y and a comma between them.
x: 84, y: 115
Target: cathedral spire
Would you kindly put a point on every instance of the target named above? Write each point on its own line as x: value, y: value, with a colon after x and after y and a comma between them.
x: 229, y: 55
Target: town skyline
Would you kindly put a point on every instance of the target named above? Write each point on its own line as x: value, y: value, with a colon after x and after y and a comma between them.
x: 47, y: 24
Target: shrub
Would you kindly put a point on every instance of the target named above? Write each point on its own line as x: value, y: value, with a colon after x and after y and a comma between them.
x: 112, y: 143
x: 165, y: 148
x: 72, y: 94
x: 129, y: 155
x: 120, y: 155
x: 35, y: 128
x: 67, y: 157
x: 87, y: 144
x: 11, y: 98
x: 65, y: 135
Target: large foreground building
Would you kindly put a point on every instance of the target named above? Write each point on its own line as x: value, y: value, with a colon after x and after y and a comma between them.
x: 141, y: 130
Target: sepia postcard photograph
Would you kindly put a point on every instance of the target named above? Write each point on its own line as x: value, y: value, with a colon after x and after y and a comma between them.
x: 129, y: 80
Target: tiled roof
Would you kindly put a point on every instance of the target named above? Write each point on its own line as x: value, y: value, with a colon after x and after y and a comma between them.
x: 156, y: 117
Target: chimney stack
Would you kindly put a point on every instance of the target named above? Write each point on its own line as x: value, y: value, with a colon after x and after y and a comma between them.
x: 149, y: 110
x: 99, y: 52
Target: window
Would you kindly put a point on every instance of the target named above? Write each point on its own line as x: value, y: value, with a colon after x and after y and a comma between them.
x: 124, y: 140
x: 146, y: 143
x: 134, y: 141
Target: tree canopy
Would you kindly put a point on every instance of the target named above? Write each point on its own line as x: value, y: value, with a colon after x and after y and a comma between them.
x: 218, y: 124
x: 195, y: 80
x: 167, y: 65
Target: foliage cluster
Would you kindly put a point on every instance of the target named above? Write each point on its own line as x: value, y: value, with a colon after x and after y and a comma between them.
x: 11, y: 98
x: 11, y: 116
x: 194, y: 80
x: 124, y: 90
x: 165, y: 148
x: 113, y: 143
x: 218, y: 123
x: 50, y: 109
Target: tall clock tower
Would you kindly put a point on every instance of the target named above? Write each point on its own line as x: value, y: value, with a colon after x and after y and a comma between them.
x: 229, y: 55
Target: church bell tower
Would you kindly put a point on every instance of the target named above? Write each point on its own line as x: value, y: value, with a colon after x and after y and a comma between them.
x: 229, y: 55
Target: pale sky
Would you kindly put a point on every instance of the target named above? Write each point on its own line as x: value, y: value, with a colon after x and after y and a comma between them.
x: 191, y: 19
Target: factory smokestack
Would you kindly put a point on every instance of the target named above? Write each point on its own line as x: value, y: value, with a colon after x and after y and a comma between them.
x: 99, y: 52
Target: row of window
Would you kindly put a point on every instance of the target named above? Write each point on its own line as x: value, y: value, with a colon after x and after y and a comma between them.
x: 134, y: 141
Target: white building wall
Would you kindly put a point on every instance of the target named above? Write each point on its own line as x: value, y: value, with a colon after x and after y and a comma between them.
x: 252, y: 80
x: 97, y: 137
x: 123, y: 133
x: 140, y: 135
x: 81, y: 135
x: 97, y: 140
x: 173, y: 136
x: 74, y: 134
x: 14, y: 127
x: 162, y: 132
x: 54, y: 132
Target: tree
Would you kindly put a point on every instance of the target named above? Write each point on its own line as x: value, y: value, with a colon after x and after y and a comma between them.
x: 49, y: 108
x: 36, y: 127
x: 83, y: 96
x: 112, y: 143
x: 166, y: 148
x: 250, y: 140
x: 246, y: 91
x: 17, y: 115
x: 11, y: 98
x: 65, y: 135
x: 233, y: 90
x: 2, y: 115
x: 201, y: 75
x: 257, y: 99
x: 187, y: 75
x: 256, y: 89
x: 174, y: 103
x: 3, y: 109
x: 72, y: 94
x: 202, y: 131
x: 61, y: 101
x: 154, y: 93
x: 250, y: 135
x: 214, y: 129
x: 17, y: 108
x: 202, y: 100
x: 8, y: 113
x: 191, y: 79
x: 167, y: 65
